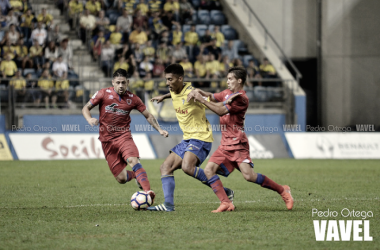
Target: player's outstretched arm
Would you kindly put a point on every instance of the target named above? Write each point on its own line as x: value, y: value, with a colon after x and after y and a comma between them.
x: 218, y: 108
x: 203, y: 93
x: 160, y: 98
x: 87, y: 115
x: 152, y: 121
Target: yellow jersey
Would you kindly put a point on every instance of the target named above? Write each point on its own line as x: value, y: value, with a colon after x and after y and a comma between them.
x: 144, y: 8
x: 62, y: 85
x: 45, y: 19
x: 117, y: 66
x: 213, y: 67
x: 187, y: 66
x: 191, y: 38
x: 8, y: 68
x: 93, y: 7
x: 45, y: 83
x: 191, y: 116
x: 154, y: 6
x: 115, y: 37
x: 26, y: 21
x: 75, y: 7
x: 268, y: 68
x: 18, y: 83
x: 219, y: 38
x: 174, y: 6
x: 201, y: 68
x: 177, y: 37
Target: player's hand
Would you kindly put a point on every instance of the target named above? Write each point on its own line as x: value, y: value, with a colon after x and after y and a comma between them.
x: 190, y: 95
x: 232, y: 97
x: 158, y: 99
x: 93, y: 122
x: 164, y: 133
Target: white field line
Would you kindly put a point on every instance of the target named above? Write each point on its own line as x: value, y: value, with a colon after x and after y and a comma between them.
x: 212, y: 202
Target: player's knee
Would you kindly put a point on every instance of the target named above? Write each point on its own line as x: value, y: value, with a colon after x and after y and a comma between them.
x: 133, y: 161
x: 165, y: 168
x: 121, y: 179
x: 249, y: 177
x: 209, y: 172
x: 187, y: 168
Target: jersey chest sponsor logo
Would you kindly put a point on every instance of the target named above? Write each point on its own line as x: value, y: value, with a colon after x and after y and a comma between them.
x: 111, y: 109
x: 181, y: 111
x: 129, y: 101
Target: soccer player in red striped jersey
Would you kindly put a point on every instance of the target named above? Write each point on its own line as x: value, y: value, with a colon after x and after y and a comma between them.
x: 234, y: 149
x: 115, y: 104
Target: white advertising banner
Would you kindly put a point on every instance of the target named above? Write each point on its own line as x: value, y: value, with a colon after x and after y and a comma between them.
x: 69, y: 146
x: 334, y: 145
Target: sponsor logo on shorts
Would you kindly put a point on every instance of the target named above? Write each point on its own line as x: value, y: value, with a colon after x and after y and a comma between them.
x: 111, y: 109
x: 192, y: 145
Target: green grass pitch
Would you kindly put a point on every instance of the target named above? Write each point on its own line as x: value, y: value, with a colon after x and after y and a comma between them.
x: 56, y: 205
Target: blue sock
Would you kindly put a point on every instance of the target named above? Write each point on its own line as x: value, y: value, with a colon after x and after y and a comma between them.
x: 168, y: 185
x: 260, y: 179
x: 136, y: 167
x: 199, y: 174
x: 213, y: 179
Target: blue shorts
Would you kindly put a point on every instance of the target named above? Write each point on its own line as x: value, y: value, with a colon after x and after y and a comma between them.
x: 200, y: 148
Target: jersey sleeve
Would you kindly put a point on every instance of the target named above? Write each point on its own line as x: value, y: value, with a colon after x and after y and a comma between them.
x: 97, y: 98
x: 237, y: 105
x: 139, y: 105
x: 218, y: 96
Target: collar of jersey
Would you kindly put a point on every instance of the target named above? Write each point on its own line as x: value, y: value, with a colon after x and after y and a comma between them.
x: 184, y: 88
x: 235, y: 93
x: 118, y: 94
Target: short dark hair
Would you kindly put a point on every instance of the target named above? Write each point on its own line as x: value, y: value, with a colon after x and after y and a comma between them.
x: 175, y: 69
x: 240, y: 73
x: 120, y: 72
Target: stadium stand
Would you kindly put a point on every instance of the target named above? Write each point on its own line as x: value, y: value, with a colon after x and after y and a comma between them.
x: 151, y: 28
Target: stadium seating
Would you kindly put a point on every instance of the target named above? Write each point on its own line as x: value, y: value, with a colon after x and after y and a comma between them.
x: 217, y: 17
x: 203, y: 17
x: 194, y: 17
x: 113, y: 15
x: 201, y: 29
x: 185, y: 28
x: 228, y: 32
x: 240, y: 47
x: 196, y: 3
x: 28, y: 70
x: 247, y: 58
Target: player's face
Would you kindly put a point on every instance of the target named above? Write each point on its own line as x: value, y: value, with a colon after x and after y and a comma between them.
x: 174, y: 82
x: 232, y: 83
x: 120, y: 84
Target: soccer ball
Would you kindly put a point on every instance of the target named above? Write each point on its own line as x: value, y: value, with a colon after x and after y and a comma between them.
x: 141, y: 200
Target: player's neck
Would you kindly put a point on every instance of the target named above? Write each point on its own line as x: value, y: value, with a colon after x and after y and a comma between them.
x: 237, y: 89
x: 180, y: 90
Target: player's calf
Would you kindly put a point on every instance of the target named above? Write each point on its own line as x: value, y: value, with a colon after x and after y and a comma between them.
x: 125, y: 176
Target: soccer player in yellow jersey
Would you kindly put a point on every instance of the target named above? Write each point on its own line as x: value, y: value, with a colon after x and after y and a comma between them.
x: 197, y: 137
